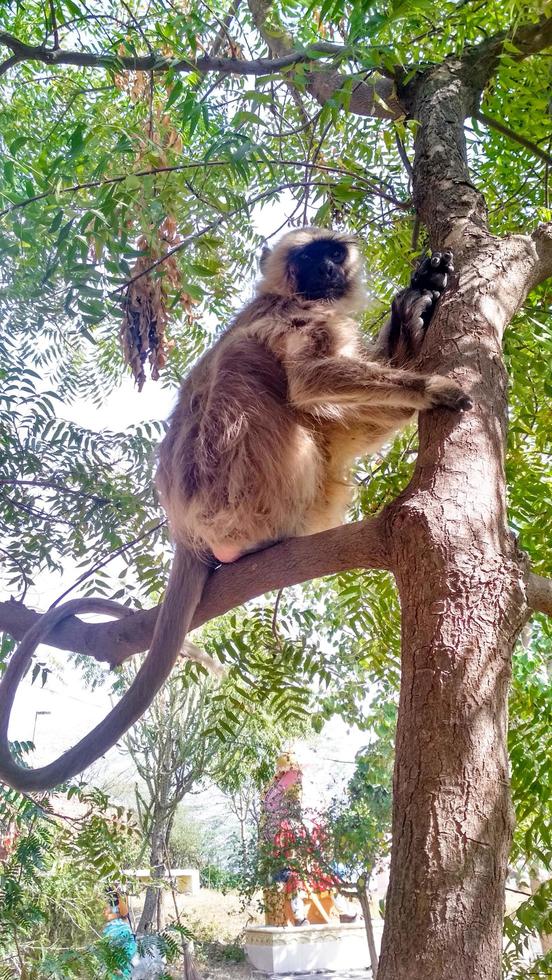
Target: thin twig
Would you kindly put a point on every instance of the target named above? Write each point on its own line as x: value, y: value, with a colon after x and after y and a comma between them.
x: 274, y: 626
x: 9, y: 63
x: 213, y: 225
x: 55, y: 31
x: 104, y: 561
x: 404, y: 155
x: 47, y: 485
x: 198, y: 165
x: 506, y: 131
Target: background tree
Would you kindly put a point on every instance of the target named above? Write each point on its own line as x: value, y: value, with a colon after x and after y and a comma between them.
x: 178, y: 747
x: 172, y: 752
x: 132, y: 140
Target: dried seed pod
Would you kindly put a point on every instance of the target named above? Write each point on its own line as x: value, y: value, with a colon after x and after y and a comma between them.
x: 143, y: 329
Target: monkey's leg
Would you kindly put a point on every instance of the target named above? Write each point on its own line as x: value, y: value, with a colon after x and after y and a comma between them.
x: 340, y: 381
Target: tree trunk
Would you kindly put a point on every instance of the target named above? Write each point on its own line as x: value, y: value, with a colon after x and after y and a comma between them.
x: 153, y: 910
x: 462, y: 596
x: 368, y: 925
x: 536, y: 880
x: 461, y: 584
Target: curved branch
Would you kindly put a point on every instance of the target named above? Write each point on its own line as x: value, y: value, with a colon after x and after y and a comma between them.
x: 359, y: 545
x: 539, y: 593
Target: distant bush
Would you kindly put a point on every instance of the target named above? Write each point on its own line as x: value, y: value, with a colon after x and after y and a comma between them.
x: 219, y: 879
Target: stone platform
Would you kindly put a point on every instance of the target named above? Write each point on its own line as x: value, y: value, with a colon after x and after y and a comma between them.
x: 285, y: 950
x: 340, y: 975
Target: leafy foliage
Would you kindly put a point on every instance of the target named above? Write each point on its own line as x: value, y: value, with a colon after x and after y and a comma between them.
x: 53, y: 876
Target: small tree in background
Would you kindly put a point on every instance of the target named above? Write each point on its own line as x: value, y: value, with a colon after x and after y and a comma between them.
x: 172, y: 752
x: 358, y: 832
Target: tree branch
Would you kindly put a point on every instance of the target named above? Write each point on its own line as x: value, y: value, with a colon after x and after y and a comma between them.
x: 506, y: 131
x: 373, y: 187
x: 539, y: 593
x: 542, y: 241
x: 162, y: 63
x: 359, y: 545
x: 377, y: 97
x: 528, y: 39
x: 441, y: 97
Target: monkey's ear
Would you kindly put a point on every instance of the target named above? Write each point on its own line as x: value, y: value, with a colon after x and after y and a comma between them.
x: 264, y: 256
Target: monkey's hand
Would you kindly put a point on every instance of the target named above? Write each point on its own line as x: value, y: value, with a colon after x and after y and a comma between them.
x: 413, y: 307
x: 427, y: 284
x: 432, y: 274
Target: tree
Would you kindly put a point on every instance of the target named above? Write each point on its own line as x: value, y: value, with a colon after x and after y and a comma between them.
x: 177, y: 746
x: 145, y: 128
x: 172, y: 752
x: 359, y: 831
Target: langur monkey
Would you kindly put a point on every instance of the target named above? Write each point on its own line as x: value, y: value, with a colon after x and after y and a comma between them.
x: 260, y: 446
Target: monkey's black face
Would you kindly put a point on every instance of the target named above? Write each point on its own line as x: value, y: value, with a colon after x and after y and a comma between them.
x: 319, y: 269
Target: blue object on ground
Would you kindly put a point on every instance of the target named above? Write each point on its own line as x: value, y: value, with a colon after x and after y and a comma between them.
x: 118, y: 933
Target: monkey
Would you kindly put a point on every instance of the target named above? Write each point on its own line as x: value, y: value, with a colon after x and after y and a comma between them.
x: 259, y: 448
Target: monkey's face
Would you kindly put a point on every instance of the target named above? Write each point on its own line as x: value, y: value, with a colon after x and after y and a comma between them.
x: 314, y: 264
x: 319, y: 269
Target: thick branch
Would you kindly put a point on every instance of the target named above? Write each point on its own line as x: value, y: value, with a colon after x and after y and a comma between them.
x: 360, y: 545
x: 542, y: 242
x: 441, y: 97
x: 527, y: 39
x: 539, y: 593
x: 375, y: 97
x: 162, y: 63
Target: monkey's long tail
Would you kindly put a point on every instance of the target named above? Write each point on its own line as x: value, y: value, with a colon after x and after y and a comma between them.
x: 186, y: 581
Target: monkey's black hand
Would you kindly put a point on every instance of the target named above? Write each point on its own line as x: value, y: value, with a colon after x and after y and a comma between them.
x: 413, y: 307
x: 430, y: 280
x: 432, y: 273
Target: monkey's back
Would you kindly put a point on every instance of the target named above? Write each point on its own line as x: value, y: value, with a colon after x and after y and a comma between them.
x: 239, y: 466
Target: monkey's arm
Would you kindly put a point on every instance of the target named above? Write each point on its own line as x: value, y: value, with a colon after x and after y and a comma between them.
x: 343, y: 381
x: 412, y: 309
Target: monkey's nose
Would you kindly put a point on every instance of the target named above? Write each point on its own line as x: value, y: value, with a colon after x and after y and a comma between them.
x: 328, y: 269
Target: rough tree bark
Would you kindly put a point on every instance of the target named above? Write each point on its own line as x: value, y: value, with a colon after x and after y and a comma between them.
x: 364, y: 900
x: 461, y: 582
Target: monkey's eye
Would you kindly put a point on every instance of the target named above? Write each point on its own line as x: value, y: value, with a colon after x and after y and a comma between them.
x: 337, y: 255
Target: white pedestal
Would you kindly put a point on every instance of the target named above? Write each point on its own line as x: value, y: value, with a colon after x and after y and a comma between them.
x: 304, y: 949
